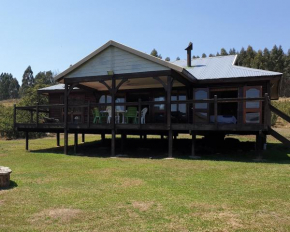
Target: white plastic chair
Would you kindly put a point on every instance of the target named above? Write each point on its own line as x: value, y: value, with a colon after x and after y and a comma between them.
x: 143, y: 114
x: 109, y: 111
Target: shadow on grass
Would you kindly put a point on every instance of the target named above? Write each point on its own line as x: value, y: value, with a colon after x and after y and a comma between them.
x: 229, y: 150
x: 12, y: 185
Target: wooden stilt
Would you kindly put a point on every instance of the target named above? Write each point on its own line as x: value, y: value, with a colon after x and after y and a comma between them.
x: 103, y: 138
x: 57, y: 139
x: 26, y: 140
x: 170, y: 144
x: 260, y: 139
x: 83, y: 137
x: 113, y: 143
x: 123, y: 138
x: 65, y: 120
x: 193, y: 141
x: 76, y: 143
x: 161, y: 137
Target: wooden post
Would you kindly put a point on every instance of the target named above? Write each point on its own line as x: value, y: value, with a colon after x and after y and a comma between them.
x: 139, y: 112
x: 26, y: 140
x: 57, y: 139
x: 267, y: 122
x: 76, y: 143
x: 215, y: 110
x: 65, y: 119
x: 170, y: 144
x: 259, y: 145
x: 83, y: 137
x: 123, y: 139
x: 88, y: 116
x: 31, y: 116
x: 37, y: 114
x: 103, y: 138
x: 14, y: 116
x: 193, y: 139
x: 113, y: 92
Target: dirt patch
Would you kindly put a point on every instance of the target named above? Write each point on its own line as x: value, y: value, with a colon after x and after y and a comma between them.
x: 142, y: 206
x: 1, y: 155
x: 131, y: 182
x: 2, y: 203
x: 61, y: 215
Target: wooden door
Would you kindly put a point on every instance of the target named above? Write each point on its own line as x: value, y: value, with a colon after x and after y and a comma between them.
x: 253, y: 109
x: 200, y: 110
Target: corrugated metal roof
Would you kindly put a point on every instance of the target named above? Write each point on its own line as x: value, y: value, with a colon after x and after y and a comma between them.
x: 221, y: 67
x: 55, y: 87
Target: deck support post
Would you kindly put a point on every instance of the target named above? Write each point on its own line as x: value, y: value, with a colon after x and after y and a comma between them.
x: 113, y: 93
x: 170, y: 144
x: 76, y: 143
x: 260, y: 140
x: 193, y: 146
x: 26, y: 140
x: 65, y: 120
x: 103, y: 136
x: 57, y: 139
x: 83, y: 137
x: 123, y: 139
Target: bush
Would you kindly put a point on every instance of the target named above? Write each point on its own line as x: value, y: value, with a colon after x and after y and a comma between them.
x: 283, y: 105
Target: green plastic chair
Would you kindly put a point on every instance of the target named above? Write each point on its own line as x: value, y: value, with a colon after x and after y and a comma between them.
x: 131, y: 113
x: 96, y: 115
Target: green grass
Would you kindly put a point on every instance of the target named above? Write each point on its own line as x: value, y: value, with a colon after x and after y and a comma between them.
x: 54, y: 192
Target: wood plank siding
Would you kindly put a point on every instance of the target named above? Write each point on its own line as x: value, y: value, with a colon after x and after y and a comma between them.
x: 117, y: 60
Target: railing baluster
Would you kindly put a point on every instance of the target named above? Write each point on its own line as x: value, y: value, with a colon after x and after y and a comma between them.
x: 139, y: 112
x: 88, y: 116
x: 215, y: 110
x: 37, y: 114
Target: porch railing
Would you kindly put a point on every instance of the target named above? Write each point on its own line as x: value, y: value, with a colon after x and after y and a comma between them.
x: 39, y: 114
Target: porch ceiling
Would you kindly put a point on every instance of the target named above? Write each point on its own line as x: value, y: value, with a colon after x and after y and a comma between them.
x: 138, y: 83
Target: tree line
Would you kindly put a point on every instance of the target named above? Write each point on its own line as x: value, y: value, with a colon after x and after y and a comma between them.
x: 10, y: 88
x: 273, y: 60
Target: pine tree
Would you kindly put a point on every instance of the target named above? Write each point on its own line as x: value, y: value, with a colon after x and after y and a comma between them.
x: 5, y: 80
x: 178, y: 58
x: 154, y: 53
x: 267, y: 60
x: 203, y: 55
x: 258, y: 61
x: 232, y: 52
x: 224, y: 52
x: 167, y: 59
x: 241, y: 57
x: 277, y: 59
x: 211, y: 55
x: 27, y: 80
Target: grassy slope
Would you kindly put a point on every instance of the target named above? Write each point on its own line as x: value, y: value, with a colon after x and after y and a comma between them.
x: 55, y: 192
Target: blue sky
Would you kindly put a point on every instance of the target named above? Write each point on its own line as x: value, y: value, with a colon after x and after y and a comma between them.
x: 51, y: 35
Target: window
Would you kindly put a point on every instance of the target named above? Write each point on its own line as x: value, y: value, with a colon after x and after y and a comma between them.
x: 201, y: 110
x: 252, y: 109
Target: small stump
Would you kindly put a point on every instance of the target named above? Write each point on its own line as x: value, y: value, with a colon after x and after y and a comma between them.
x: 4, y: 177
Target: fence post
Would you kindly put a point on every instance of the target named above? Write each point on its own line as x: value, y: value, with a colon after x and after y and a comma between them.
x: 215, y: 110
x: 37, y: 114
x: 14, y: 116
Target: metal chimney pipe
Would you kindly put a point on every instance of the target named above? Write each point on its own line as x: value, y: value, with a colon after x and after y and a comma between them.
x: 189, y: 48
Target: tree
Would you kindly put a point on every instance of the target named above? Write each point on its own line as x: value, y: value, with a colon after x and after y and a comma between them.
x: 27, y: 80
x: 203, y: 55
x: 5, y: 79
x: 277, y: 59
x: 14, y: 89
x: 167, y: 59
x: 45, y: 78
x: 241, y: 57
x: 224, y: 52
x: 232, y: 52
x: 211, y: 55
x: 177, y: 58
x: 258, y: 61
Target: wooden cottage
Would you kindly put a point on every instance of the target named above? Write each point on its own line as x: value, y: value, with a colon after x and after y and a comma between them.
x: 117, y: 89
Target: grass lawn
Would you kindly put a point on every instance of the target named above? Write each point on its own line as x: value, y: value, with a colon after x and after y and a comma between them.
x: 54, y: 192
